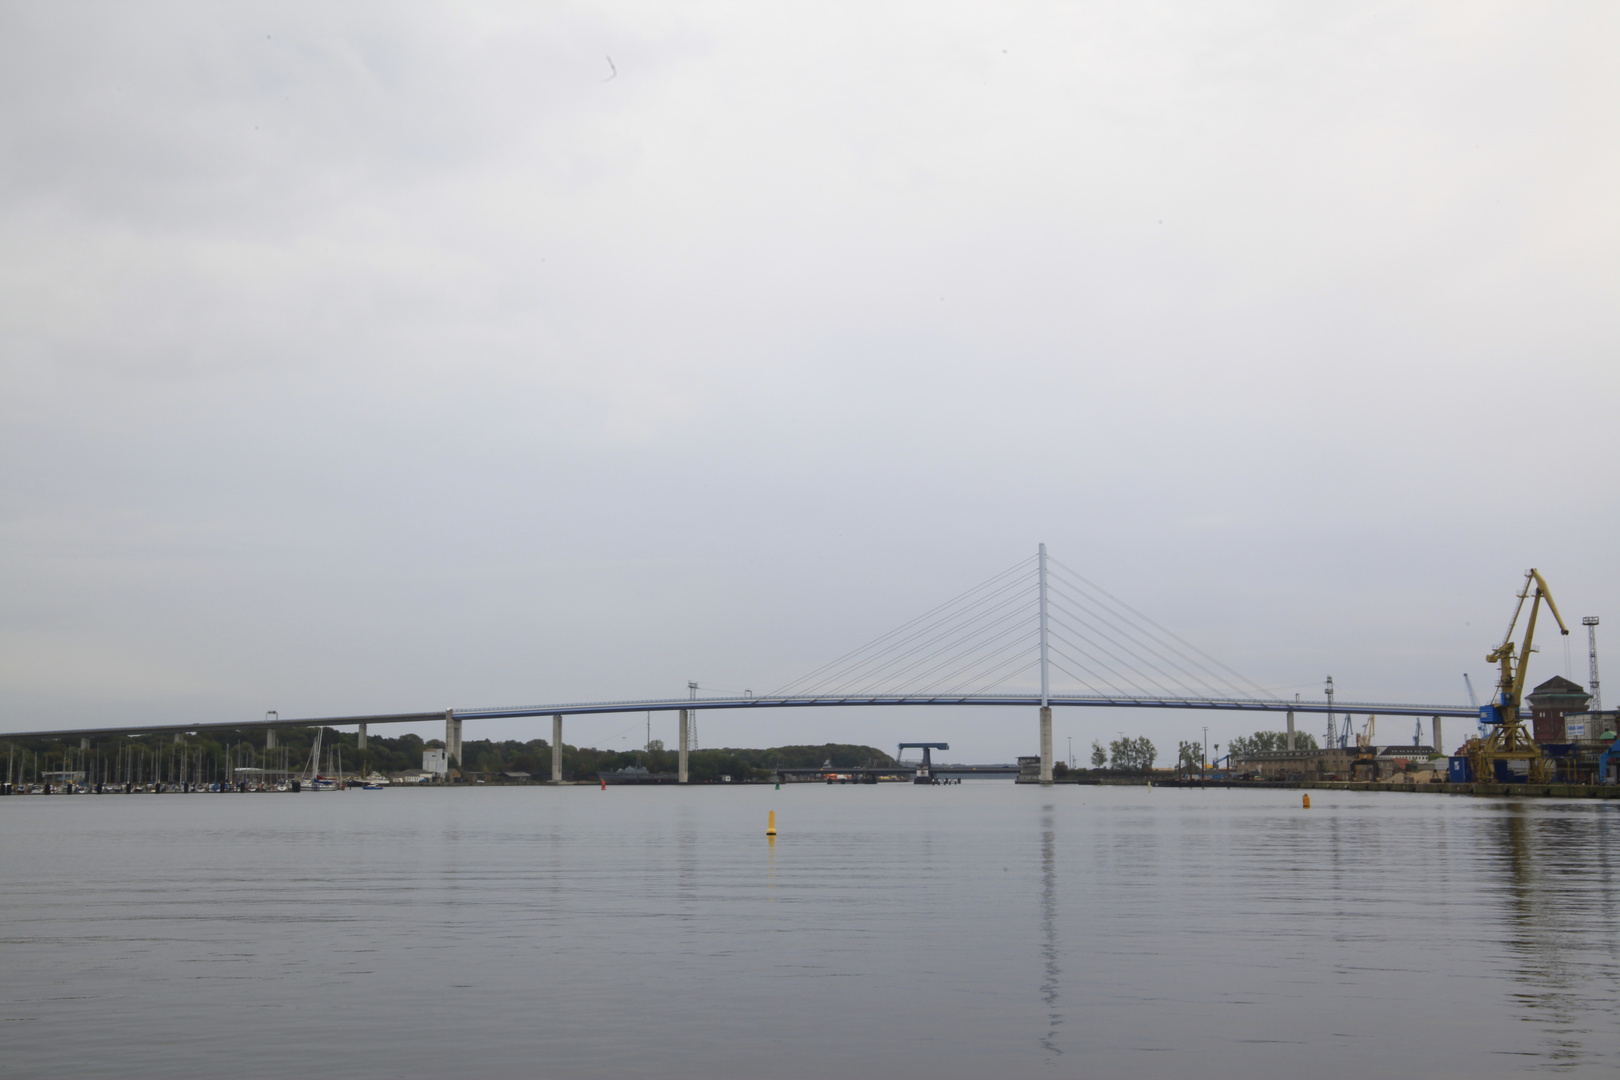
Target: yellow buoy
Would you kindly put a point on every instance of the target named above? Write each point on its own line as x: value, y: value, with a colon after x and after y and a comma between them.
x: 770, y: 826
x: 1307, y: 801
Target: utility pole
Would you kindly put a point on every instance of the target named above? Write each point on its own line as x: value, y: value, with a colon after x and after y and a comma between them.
x: 1591, y: 622
x: 1046, y: 684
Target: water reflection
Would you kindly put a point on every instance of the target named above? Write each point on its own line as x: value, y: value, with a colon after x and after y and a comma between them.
x: 1556, y: 910
x: 1049, y: 942
x: 554, y: 932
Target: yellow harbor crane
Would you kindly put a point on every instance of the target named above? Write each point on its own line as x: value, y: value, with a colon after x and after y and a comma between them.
x: 1508, y: 741
x: 1366, y: 752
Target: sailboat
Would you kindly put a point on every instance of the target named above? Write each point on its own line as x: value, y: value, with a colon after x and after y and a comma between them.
x: 312, y: 774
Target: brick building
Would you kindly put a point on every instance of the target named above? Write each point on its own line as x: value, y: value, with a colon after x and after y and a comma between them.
x: 1549, y: 703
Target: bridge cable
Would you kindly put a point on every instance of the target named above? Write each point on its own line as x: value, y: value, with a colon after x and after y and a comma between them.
x: 1124, y: 637
x: 873, y: 661
x: 965, y: 642
x: 1162, y: 629
x: 1125, y: 647
x: 963, y: 632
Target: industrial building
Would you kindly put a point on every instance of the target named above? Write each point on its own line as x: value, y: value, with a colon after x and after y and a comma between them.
x: 1577, y: 739
x: 1550, y: 703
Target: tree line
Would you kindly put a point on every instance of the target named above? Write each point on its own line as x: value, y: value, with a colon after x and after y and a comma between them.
x: 216, y: 755
x: 1136, y: 754
x: 1190, y: 755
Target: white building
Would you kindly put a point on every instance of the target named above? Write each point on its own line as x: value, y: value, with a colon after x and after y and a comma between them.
x: 436, y: 762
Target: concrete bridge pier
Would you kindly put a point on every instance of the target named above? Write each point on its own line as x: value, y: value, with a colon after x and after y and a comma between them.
x: 269, y: 738
x: 362, y: 736
x: 1439, y: 745
x: 1046, y: 744
x: 1290, y: 729
x: 556, y: 748
x: 452, y: 737
x: 681, y: 774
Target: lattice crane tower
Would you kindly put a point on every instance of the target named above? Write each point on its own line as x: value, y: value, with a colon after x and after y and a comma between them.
x: 1591, y: 622
x: 1332, y: 731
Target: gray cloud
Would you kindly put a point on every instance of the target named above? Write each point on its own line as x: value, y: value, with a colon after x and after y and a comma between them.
x: 377, y: 358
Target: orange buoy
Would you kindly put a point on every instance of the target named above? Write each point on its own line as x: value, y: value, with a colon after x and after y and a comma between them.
x: 1307, y: 800
x: 770, y: 825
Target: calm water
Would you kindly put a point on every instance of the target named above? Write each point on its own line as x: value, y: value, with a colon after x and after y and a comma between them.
x: 974, y: 930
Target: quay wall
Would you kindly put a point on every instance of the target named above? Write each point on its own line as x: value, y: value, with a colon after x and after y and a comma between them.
x: 1532, y: 791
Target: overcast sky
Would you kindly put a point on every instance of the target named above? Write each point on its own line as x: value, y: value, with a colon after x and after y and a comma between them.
x: 384, y: 358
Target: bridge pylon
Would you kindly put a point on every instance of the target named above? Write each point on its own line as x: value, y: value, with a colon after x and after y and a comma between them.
x: 1046, y: 681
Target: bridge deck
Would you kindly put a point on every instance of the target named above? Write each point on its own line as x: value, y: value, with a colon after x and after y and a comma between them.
x: 590, y: 708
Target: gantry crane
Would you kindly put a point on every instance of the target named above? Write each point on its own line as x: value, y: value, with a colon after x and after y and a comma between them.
x: 1507, y: 740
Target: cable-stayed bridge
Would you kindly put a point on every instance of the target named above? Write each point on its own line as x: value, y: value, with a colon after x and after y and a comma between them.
x: 1037, y: 635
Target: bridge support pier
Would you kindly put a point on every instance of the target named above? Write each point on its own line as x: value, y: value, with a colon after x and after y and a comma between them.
x: 681, y: 775
x: 362, y: 736
x: 452, y: 737
x: 556, y: 748
x: 1290, y: 729
x: 270, y: 738
x: 1439, y: 745
x: 1046, y: 744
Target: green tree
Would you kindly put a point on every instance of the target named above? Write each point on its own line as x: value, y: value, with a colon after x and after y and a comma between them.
x: 1099, y: 756
x: 1132, y: 755
x: 1263, y: 741
x: 1189, y: 755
